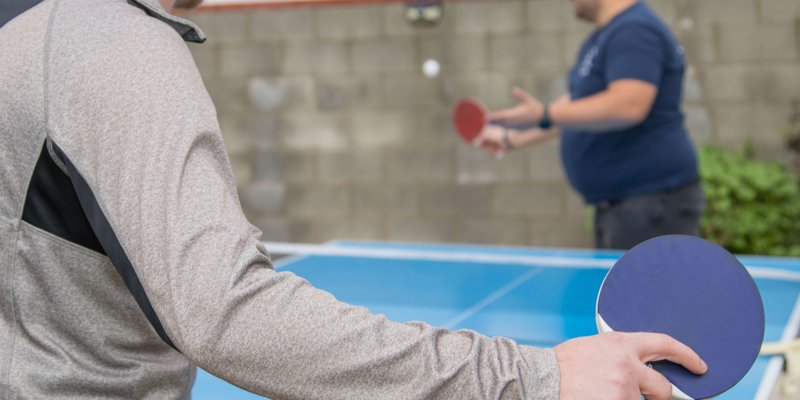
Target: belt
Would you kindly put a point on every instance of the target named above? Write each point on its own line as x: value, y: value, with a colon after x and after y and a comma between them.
x: 609, y: 204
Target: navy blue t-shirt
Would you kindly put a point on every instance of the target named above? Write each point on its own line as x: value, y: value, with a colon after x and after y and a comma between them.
x: 653, y: 156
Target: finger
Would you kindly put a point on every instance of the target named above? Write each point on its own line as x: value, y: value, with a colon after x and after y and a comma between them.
x: 489, y: 148
x: 521, y: 95
x: 502, y: 115
x: 512, y: 115
x: 655, y: 346
x: 653, y: 385
x: 478, y: 141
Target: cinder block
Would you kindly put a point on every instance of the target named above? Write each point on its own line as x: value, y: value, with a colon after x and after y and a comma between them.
x: 349, y: 21
x: 725, y: 11
x: 263, y: 198
x: 573, y: 41
x: 576, y: 207
x: 229, y: 95
x: 282, y: 93
x: 433, y: 129
x: 545, y: 161
x: 752, y: 82
x: 354, y: 229
x: 395, y: 23
x: 223, y: 27
x: 761, y: 123
x: 456, y: 200
x: 493, y: 231
x: 666, y: 10
x: 530, y: 199
x: 422, y: 230
x: 239, y: 61
x: 521, y: 52
x: 305, y: 131
x: 284, y: 166
x: 279, y: 229
x: 383, y: 199
x: 242, y: 169
x: 243, y: 134
x: 319, y: 58
x: 419, y: 165
x: 552, y: 16
x: 779, y: 81
x: 472, y: 230
x: 265, y: 130
x: 315, y: 200
x: 413, y: 92
x: 237, y: 140
x: 349, y: 93
x: 378, y: 130
x: 205, y: 56
x: 351, y: 228
x: 350, y: 167
x: 698, y: 122
x: 456, y: 53
x: 693, y: 91
x: 779, y: 10
x: 383, y: 56
x: 283, y: 24
x: 731, y: 82
x: 699, y: 44
x: 476, y: 166
x: 570, y: 232
x: 749, y: 42
x: 488, y: 16
x: 548, y: 86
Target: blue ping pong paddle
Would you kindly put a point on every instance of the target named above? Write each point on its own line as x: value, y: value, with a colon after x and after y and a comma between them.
x: 696, y: 292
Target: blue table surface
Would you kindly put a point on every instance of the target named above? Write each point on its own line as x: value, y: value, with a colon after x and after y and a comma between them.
x: 534, y: 305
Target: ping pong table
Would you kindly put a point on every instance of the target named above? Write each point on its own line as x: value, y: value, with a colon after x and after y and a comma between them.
x: 538, y: 297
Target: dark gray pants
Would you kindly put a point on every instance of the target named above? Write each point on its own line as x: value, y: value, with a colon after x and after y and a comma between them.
x: 628, y: 222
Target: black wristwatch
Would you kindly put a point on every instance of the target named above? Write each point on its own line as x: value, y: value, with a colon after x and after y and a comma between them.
x: 545, y: 122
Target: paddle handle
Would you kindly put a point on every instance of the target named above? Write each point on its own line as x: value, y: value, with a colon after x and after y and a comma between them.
x: 791, y: 353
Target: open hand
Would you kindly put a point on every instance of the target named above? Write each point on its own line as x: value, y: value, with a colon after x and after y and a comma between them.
x: 528, y: 110
x: 612, y: 366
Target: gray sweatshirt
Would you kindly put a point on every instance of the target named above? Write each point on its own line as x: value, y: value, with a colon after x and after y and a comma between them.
x: 126, y: 261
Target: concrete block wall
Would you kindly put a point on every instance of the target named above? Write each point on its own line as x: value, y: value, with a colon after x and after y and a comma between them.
x: 334, y: 132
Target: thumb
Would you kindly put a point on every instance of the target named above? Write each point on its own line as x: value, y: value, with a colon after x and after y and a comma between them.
x: 521, y: 95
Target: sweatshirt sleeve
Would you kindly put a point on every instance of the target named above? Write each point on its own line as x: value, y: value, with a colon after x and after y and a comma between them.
x: 137, y: 125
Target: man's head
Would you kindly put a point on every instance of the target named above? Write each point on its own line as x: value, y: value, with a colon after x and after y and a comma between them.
x: 183, y: 4
x: 187, y: 4
x: 600, y: 12
x: 587, y: 10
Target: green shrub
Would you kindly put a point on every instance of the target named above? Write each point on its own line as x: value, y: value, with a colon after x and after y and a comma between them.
x: 753, y: 207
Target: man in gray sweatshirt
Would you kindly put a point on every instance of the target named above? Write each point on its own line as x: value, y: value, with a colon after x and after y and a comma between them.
x: 125, y: 259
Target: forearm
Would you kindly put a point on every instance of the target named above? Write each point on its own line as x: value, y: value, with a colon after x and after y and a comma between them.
x: 530, y: 137
x: 602, y: 112
x: 275, y: 334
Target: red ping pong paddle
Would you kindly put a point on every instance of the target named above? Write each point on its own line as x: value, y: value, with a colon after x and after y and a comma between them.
x: 469, y: 118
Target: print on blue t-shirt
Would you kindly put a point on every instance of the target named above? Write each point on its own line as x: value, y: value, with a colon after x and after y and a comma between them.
x: 653, y: 156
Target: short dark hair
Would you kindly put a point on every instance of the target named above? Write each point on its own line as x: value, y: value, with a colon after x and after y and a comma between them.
x: 187, y: 4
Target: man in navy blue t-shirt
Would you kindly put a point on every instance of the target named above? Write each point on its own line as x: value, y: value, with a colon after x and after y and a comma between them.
x: 624, y: 144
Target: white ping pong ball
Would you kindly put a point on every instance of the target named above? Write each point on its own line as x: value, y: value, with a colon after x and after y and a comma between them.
x: 431, y: 68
